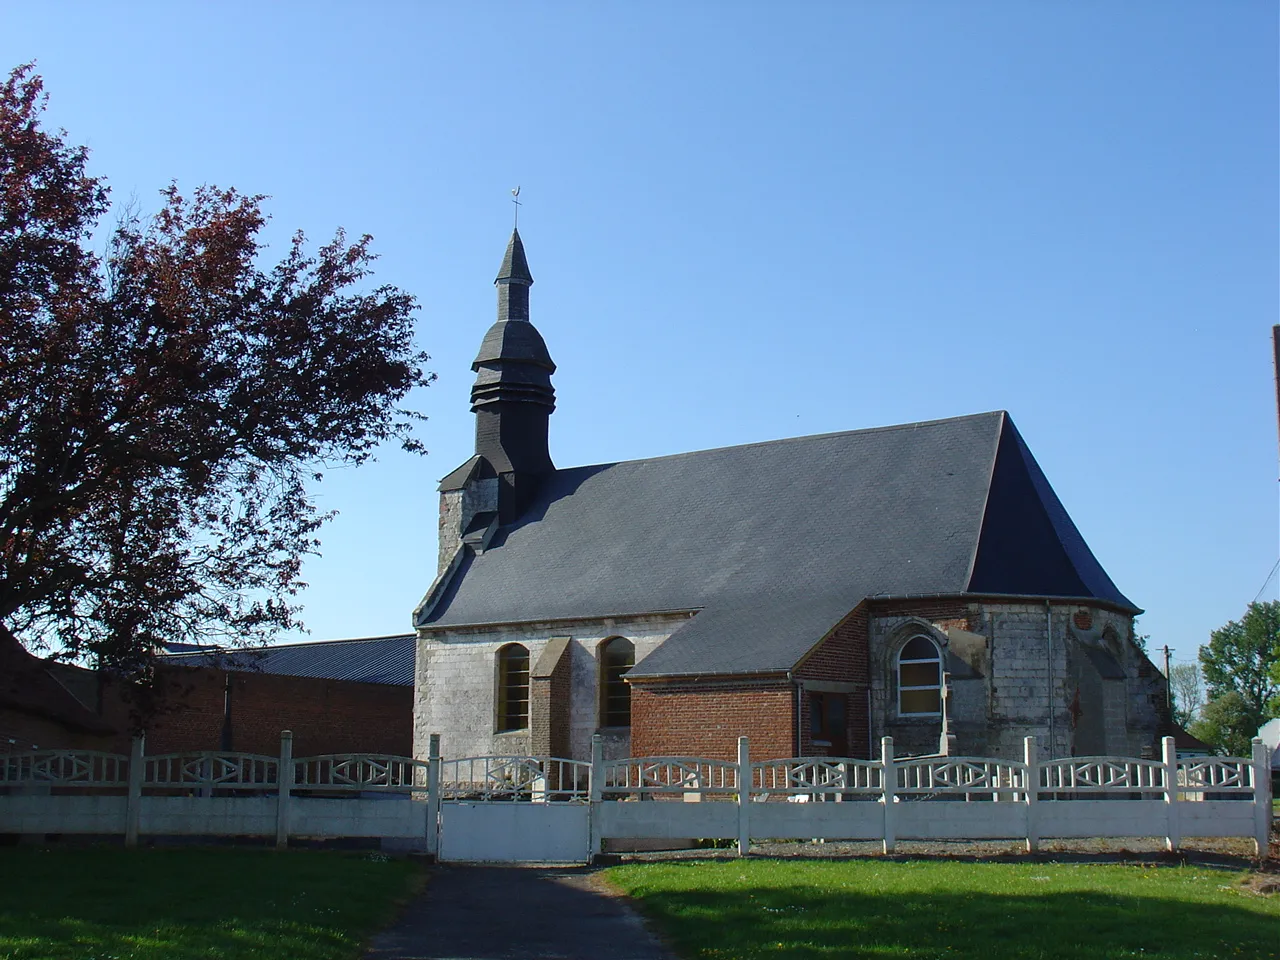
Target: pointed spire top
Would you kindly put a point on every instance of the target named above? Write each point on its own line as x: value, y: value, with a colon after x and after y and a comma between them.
x: 515, y: 268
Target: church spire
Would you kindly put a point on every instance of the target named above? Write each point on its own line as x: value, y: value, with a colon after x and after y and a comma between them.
x: 513, y: 282
x: 512, y: 397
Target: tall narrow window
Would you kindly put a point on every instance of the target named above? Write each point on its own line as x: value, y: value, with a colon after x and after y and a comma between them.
x: 513, y: 688
x: 617, y: 656
x: 920, y: 678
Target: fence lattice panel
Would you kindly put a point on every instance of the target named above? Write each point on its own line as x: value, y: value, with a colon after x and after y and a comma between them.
x: 970, y: 776
x: 361, y: 771
x: 514, y: 778
x: 645, y: 776
x: 799, y: 776
x: 211, y: 769
x: 1117, y: 775
x: 65, y: 768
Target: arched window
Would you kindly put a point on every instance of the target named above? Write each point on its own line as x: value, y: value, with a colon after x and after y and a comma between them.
x: 617, y: 656
x: 920, y: 678
x: 513, y: 688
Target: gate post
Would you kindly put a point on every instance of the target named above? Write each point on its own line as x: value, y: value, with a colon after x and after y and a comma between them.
x: 595, y: 793
x: 433, y: 796
x: 133, y: 802
x: 284, y: 788
x: 1031, y: 792
x: 744, y: 797
x: 1261, y: 796
x: 1173, y: 832
x: 888, y: 786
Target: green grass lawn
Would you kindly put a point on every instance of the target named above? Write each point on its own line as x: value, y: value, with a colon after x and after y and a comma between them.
x: 115, y: 904
x: 792, y: 909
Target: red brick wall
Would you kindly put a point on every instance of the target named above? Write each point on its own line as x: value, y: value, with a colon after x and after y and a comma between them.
x: 550, y: 697
x: 843, y: 655
x: 326, y: 716
x: 843, y: 658
x: 705, y: 719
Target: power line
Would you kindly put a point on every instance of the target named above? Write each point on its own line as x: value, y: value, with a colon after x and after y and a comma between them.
x: 1266, y: 581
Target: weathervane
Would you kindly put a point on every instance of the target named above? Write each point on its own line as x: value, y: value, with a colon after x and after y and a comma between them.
x: 514, y: 194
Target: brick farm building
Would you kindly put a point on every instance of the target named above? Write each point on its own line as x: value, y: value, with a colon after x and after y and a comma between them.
x: 921, y: 581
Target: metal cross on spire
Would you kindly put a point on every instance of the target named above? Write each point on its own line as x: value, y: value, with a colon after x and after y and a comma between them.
x: 514, y: 194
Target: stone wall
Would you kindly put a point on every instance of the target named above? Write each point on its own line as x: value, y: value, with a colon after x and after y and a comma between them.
x: 457, y: 509
x: 450, y: 527
x: 456, y: 680
x: 1024, y: 670
x: 1083, y: 688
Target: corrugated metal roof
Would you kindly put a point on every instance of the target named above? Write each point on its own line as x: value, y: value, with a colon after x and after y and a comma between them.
x: 364, y: 659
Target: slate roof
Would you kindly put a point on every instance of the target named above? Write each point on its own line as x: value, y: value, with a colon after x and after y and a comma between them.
x: 515, y: 266
x: 774, y: 543
x: 513, y: 340
x: 366, y: 660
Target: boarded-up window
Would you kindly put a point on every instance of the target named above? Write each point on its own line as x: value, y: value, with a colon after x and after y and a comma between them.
x: 513, y: 688
x: 617, y: 656
x: 920, y: 678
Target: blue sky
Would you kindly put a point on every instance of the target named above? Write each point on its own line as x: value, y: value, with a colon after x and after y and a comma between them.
x: 750, y: 221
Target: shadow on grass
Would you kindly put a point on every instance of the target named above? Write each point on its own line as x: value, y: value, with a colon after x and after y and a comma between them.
x: 808, y: 922
x: 97, y: 904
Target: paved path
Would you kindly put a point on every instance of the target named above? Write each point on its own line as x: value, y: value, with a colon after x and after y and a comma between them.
x: 516, y: 913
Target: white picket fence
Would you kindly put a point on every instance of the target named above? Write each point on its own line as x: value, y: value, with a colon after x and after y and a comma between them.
x: 546, y: 808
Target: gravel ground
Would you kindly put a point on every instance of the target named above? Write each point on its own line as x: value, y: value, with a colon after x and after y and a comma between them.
x: 1235, y: 853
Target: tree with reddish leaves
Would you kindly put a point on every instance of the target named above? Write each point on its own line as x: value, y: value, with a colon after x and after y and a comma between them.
x: 164, y: 406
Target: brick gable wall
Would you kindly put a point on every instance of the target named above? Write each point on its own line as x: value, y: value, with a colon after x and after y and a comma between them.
x: 840, y: 659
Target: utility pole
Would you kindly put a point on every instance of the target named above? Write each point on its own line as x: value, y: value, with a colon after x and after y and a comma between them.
x: 1168, y: 683
x: 1275, y: 348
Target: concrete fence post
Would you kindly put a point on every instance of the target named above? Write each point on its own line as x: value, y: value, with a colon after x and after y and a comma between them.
x: 133, y: 801
x: 433, y: 795
x: 888, y: 789
x: 1261, y: 796
x: 1031, y: 792
x: 1172, y: 830
x: 744, y: 796
x: 595, y: 794
x: 284, y: 789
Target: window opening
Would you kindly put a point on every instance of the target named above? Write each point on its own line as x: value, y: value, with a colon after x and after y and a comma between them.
x: 513, y: 688
x: 616, y: 658
x: 826, y: 717
x: 920, y: 678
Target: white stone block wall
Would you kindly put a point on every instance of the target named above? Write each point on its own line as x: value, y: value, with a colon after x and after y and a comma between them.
x: 450, y: 527
x: 456, y: 682
x: 457, y: 508
x: 1026, y: 684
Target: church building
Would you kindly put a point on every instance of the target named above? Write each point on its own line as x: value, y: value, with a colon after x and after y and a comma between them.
x: 920, y: 581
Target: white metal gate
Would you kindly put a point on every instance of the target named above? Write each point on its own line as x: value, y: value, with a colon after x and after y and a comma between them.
x: 514, y: 809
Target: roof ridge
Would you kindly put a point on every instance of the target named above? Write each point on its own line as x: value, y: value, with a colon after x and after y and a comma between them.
x: 781, y: 440
x: 231, y: 651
